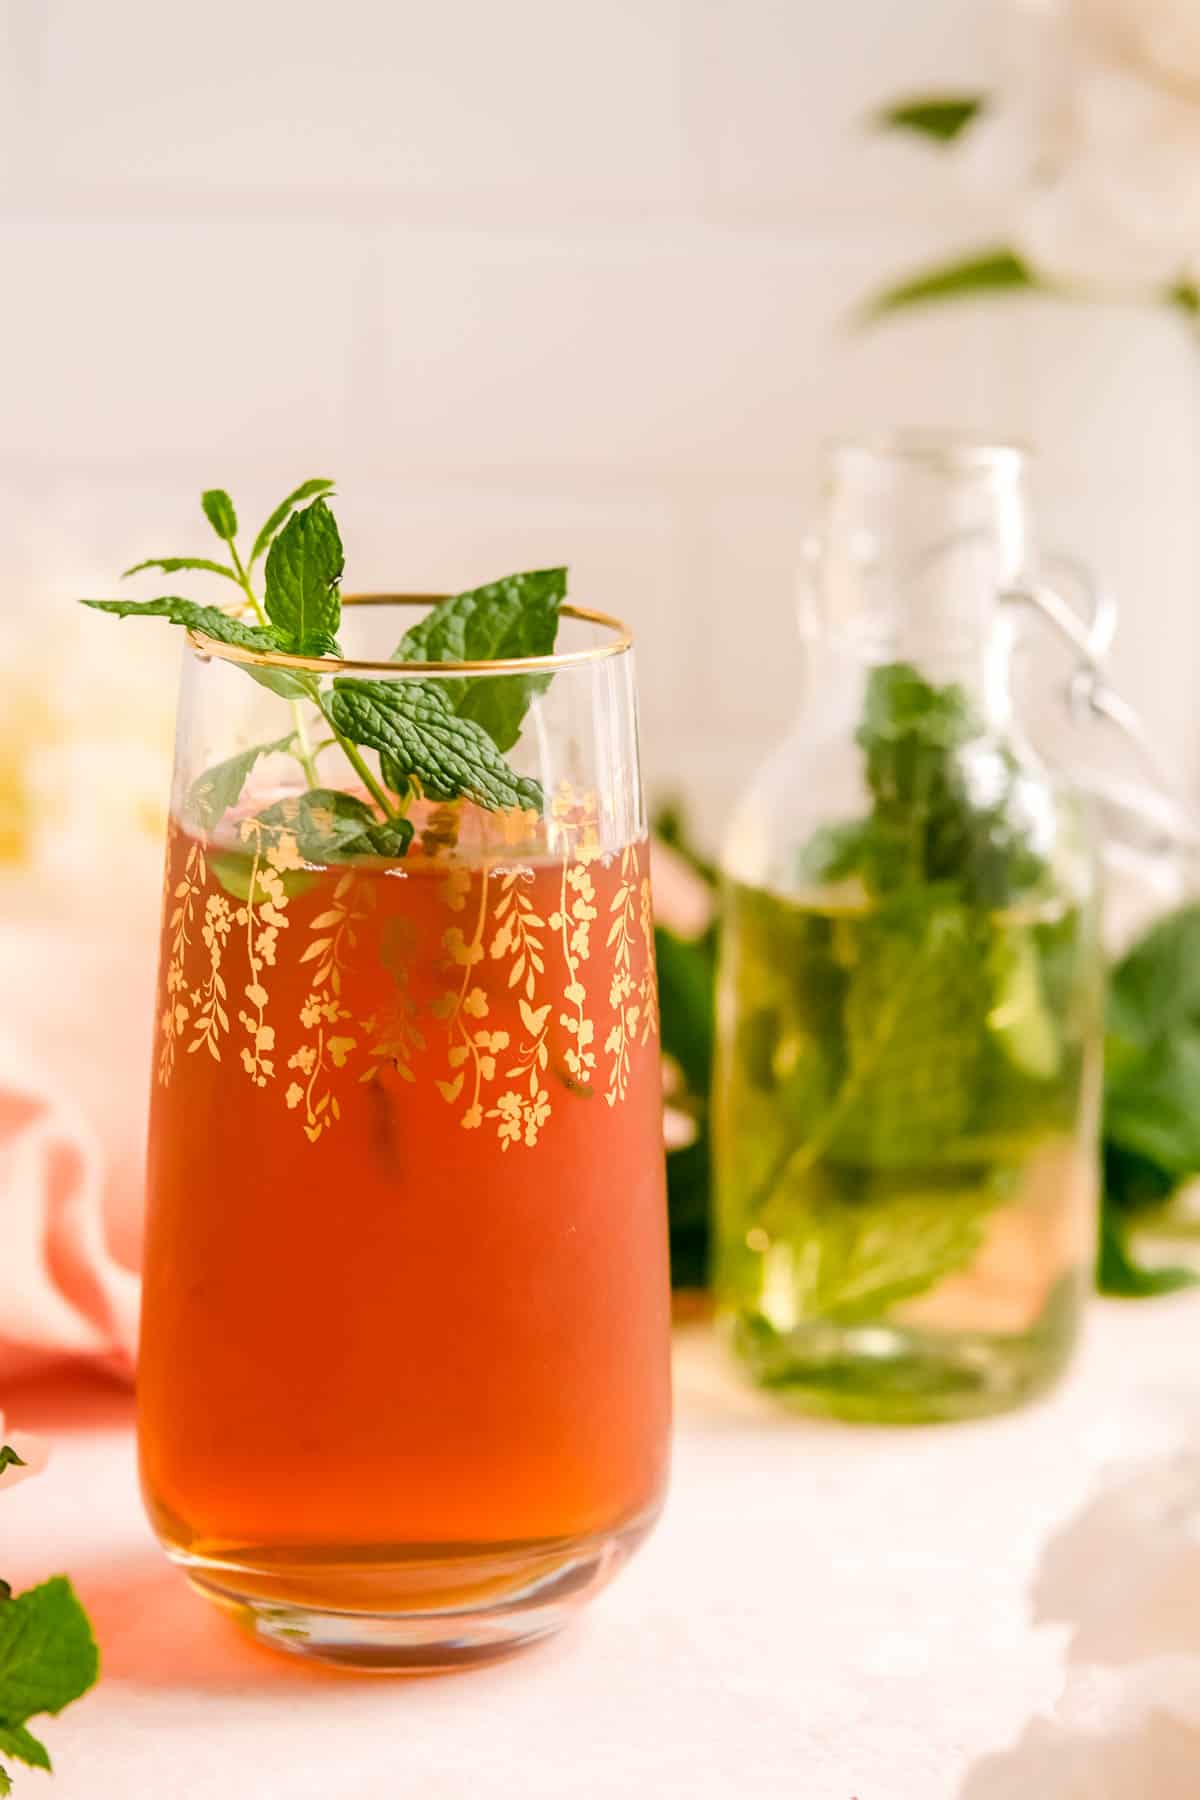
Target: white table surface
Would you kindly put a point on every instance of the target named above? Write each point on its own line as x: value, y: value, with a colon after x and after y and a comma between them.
x: 825, y: 1613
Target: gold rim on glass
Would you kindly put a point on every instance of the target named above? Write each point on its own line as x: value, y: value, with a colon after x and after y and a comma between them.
x: 619, y: 642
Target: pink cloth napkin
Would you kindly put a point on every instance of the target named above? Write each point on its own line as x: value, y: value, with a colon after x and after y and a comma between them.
x: 76, y: 1016
x: 62, y: 1291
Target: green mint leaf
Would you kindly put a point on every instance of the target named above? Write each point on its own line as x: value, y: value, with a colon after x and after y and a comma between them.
x: 1155, y: 986
x: 48, y: 1656
x: 689, y: 1204
x: 306, y: 491
x: 413, y: 726
x: 686, y: 983
x: 213, y: 793
x: 234, y: 869
x: 189, y: 613
x: 941, y: 117
x: 9, y: 1458
x: 329, y: 825
x: 927, y: 759
x: 1152, y: 1105
x: 1118, y: 1274
x: 16, y: 1741
x: 1186, y: 296
x: 304, y: 567
x: 517, y: 616
x: 1131, y: 1183
x: 672, y: 827
x: 985, y: 272
x: 218, y: 510
x: 171, y: 565
x: 5, y: 1784
x: 913, y: 1018
x: 856, y: 1260
x: 214, y: 624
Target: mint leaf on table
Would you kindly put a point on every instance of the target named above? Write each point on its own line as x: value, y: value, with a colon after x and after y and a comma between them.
x: 328, y: 824
x: 16, y: 1741
x: 48, y: 1658
x: 307, y: 490
x: 304, y: 567
x: 213, y: 793
x: 412, y: 726
x: 515, y: 617
x: 9, y: 1458
x: 218, y: 510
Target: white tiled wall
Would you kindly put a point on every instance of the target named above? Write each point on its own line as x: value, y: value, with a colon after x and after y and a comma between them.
x: 546, y: 281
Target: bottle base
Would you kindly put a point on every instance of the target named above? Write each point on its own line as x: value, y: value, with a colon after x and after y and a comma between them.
x: 416, y: 1612
x: 889, y: 1374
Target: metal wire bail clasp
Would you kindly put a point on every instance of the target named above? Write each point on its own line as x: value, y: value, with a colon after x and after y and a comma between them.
x: 1155, y: 806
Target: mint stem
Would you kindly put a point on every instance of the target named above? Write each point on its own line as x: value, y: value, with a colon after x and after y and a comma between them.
x: 304, y: 755
x: 354, y: 758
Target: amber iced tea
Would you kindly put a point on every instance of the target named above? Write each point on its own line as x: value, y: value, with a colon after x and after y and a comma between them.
x: 406, y: 1301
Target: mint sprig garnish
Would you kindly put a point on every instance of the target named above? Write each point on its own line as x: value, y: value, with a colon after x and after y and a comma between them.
x: 444, y: 739
x: 48, y: 1658
x: 9, y: 1458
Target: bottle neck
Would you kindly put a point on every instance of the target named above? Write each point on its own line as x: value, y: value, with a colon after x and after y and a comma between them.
x: 918, y: 543
x: 838, y: 674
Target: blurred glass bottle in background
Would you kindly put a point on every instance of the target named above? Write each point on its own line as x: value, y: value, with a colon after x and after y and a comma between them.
x: 909, y: 1012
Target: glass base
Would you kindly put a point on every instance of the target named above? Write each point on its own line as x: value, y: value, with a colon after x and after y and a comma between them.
x: 886, y: 1373
x: 416, y: 1612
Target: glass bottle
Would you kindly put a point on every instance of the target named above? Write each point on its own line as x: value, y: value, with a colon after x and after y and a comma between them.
x: 910, y: 992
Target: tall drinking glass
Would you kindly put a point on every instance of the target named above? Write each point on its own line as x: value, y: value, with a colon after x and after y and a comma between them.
x: 404, y: 1392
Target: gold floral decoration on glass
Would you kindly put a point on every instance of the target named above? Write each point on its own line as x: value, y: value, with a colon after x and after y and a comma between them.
x: 473, y: 1047
x: 175, y: 1013
x: 262, y: 916
x: 576, y: 826
x: 211, y: 1018
x: 648, y: 985
x: 520, y: 1116
x: 622, y: 994
x: 394, y: 1039
x: 502, y: 956
x: 323, y: 1011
